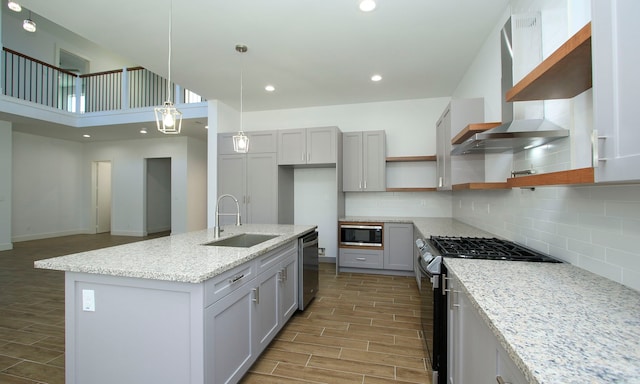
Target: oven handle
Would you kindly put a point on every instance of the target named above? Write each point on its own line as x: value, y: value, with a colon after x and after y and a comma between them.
x: 351, y: 226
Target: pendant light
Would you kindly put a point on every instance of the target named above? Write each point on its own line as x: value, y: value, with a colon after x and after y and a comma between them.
x: 168, y: 118
x: 28, y: 24
x: 241, y: 141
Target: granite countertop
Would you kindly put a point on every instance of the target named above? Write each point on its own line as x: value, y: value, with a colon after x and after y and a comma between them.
x: 559, y: 323
x: 180, y: 258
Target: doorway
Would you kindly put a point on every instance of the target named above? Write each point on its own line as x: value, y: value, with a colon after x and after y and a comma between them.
x: 158, y: 195
x: 101, y: 171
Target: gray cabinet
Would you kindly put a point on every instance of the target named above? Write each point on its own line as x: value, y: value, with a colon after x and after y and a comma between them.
x: 458, y: 169
x: 360, y: 258
x: 259, y: 142
x: 616, y: 89
x: 307, y: 146
x: 253, y: 178
x: 364, y: 165
x: 267, y: 309
x: 289, y: 286
x: 474, y: 353
x: 229, y: 346
x: 398, y: 246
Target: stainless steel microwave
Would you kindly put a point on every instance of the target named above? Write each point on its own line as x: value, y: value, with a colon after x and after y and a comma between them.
x: 361, y: 235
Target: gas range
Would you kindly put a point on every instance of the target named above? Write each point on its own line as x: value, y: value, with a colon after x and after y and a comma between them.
x: 486, y: 248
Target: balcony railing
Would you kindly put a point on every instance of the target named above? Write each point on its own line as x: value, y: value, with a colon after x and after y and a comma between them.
x: 35, y: 81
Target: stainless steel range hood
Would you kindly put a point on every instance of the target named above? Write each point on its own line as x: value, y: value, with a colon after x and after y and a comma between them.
x: 531, y: 130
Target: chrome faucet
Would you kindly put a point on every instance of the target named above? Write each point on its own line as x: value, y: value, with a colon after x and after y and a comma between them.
x: 217, y: 229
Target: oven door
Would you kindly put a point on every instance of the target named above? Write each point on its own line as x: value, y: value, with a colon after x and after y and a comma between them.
x: 434, y: 321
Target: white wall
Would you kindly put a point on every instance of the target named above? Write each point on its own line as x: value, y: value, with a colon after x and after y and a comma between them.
x: 5, y: 187
x: 47, y: 185
x: 45, y: 43
x: 128, y: 186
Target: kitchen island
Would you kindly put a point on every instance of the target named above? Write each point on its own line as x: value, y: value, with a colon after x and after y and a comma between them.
x: 174, y: 310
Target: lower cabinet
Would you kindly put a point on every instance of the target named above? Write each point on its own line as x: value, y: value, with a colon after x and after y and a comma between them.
x: 360, y: 258
x: 239, y: 326
x: 474, y: 353
x: 398, y: 246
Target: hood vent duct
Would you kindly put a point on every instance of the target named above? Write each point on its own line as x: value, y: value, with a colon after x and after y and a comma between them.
x: 523, y: 123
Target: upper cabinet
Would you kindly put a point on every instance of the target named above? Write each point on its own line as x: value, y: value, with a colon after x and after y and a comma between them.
x: 616, y: 90
x: 452, y: 170
x: 364, y: 165
x: 307, y: 146
x: 259, y: 142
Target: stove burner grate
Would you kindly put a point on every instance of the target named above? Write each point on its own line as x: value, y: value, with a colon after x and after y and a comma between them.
x: 486, y: 248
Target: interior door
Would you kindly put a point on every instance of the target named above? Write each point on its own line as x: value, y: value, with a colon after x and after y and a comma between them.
x: 103, y: 196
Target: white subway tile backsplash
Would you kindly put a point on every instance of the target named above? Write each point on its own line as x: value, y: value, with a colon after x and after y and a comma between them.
x: 631, y: 260
x: 594, y: 227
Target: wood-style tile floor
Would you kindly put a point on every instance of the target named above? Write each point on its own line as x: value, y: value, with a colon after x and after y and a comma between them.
x: 360, y: 328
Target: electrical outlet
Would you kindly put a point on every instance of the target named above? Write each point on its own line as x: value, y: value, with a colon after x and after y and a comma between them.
x: 88, y: 300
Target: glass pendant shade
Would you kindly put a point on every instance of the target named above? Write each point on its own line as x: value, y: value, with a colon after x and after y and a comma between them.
x: 29, y: 25
x: 168, y: 118
x: 240, y: 143
x: 15, y: 7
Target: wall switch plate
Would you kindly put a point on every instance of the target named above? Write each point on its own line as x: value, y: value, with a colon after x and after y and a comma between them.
x: 88, y: 300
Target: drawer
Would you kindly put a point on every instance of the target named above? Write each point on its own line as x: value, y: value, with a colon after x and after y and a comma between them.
x: 275, y: 256
x: 226, y: 282
x: 360, y: 258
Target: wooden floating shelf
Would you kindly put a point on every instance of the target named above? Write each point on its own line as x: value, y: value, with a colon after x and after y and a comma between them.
x: 564, y: 74
x: 406, y: 159
x: 471, y: 130
x: 574, y: 176
x: 479, y: 186
x: 418, y: 189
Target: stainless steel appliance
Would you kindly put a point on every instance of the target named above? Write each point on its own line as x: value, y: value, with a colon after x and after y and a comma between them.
x: 361, y: 235
x: 307, y: 269
x: 433, y: 276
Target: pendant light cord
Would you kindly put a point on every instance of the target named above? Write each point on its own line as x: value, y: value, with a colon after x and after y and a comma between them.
x: 241, y: 98
x: 169, y: 64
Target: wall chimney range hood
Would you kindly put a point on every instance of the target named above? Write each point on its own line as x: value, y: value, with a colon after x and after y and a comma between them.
x: 523, y: 123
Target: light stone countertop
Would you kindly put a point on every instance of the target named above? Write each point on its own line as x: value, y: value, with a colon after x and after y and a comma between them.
x: 180, y: 257
x: 558, y: 323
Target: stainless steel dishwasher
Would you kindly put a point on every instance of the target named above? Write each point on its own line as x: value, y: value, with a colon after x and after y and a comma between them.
x: 307, y: 269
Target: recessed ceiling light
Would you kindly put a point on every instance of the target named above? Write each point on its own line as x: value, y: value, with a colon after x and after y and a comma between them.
x: 14, y: 6
x: 85, y: 135
x: 269, y: 88
x: 143, y: 130
x: 376, y: 78
x: 367, y: 5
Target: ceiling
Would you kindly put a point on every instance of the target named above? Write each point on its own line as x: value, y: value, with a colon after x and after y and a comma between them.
x: 315, y: 53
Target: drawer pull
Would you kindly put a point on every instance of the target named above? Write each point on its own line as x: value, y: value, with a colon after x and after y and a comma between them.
x: 361, y: 258
x: 500, y: 380
x: 235, y: 278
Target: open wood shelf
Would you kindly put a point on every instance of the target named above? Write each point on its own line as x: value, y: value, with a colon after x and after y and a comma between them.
x: 478, y: 186
x: 563, y: 75
x: 406, y: 159
x: 471, y: 130
x: 573, y: 176
x: 415, y: 189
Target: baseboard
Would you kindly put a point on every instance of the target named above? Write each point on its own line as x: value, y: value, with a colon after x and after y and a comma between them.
x: 6, y: 247
x: 129, y: 233
x: 327, y: 259
x: 39, y: 236
x: 156, y: 230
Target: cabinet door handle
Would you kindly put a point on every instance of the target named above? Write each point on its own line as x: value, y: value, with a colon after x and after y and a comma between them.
x: 500, y: 380
x: 361, y: 258
x: 302, y: 157
x: 256, y: 295
x: 360, y: 185
x: 308, y: 157
x: 286, y: 274
x: 235, y: 278
x: 595, y: 148
x: 365, y: 184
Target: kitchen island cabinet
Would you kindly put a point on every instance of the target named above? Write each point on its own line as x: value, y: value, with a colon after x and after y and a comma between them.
x: 172, y: 310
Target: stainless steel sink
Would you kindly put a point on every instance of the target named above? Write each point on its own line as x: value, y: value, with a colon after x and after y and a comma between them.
x: 244, y: 240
